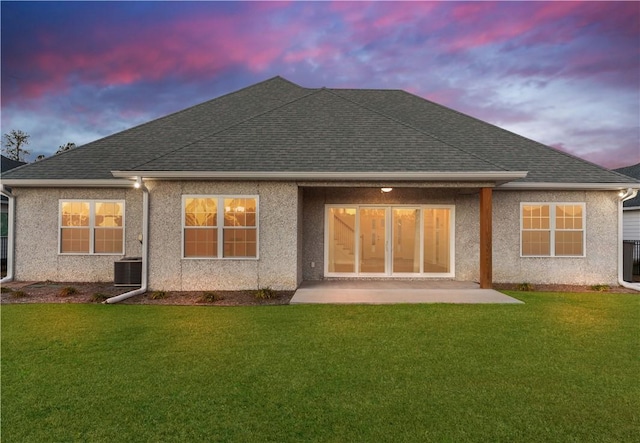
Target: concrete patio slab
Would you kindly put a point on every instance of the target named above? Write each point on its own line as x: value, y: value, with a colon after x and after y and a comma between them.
x: 393, y: 292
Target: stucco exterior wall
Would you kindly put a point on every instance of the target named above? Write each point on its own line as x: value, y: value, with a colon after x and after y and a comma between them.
x: 468, y: 236
x: 36, y: 241
x: 599, y: 266
x: 277, y: 266
x: 291, y: 235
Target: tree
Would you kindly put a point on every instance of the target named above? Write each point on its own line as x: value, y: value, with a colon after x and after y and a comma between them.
x: 13, y: 145
x: 66, y: 147
x: 40, y: 157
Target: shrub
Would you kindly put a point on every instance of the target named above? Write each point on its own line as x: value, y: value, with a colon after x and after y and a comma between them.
x: 265, y: 293
x: 157, y: 295
x: 210, y: 297
x: 99, y: 297
x: 600, y: 288
x: 5, y: 290
x: 19, y: 294
x: 67, y: 291
x: 524, y: 287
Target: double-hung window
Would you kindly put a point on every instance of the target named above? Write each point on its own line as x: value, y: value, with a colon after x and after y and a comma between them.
x: 220, y: 226
x: 552, y: 229
x: 91, y: 227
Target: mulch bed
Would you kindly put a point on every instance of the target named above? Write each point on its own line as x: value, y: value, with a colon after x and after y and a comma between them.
x: 565, y: 288
x: 58, y: 292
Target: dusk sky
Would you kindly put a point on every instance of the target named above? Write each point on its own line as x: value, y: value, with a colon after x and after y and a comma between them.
x: 566, y: 74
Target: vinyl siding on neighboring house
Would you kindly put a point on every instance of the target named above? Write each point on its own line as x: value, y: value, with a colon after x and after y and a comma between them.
x: 631, y: 224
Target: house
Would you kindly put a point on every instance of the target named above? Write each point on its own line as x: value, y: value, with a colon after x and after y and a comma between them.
x: 276, y: 183
x: 631, y: 214
x: 631, y: 223
x: 6, y: 165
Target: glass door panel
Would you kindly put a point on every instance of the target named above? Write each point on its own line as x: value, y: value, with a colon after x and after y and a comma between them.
x: 342, y: 240
x: 373, y: 239
x: 406, y: 240
x: 437, y: 241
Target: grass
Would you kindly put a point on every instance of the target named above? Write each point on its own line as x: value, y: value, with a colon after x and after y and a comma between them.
x: 562, y: 367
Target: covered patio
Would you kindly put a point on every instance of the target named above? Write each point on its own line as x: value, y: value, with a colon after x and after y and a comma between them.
x: 397, y: 291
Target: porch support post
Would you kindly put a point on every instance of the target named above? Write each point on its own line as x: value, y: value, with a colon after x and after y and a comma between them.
x: 486, y: 240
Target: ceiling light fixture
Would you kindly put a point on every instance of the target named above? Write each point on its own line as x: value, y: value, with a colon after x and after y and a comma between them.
x: 385, y: 190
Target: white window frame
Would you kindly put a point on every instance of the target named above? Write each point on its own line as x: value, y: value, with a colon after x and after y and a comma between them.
x: 92, y: 226
x: 220, y: 226
x: 389, y: 210
x: 553, y: 229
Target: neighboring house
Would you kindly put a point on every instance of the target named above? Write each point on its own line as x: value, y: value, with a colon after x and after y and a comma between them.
x: 276, y: 183
x: 631, y: 224
x: 631, y: 215
x: 6, y: 165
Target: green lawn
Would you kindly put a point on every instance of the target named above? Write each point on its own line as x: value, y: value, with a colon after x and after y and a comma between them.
x: 562, y: 367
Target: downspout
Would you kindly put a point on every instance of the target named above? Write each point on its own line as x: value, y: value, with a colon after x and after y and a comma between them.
x: 623, y: 196
x: 145, y: 247
x: 10, y: 233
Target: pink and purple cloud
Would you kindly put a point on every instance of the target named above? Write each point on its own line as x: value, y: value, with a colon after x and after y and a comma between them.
x: 563, y: 73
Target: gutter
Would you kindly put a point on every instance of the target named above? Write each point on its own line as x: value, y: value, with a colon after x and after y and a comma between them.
x: 66, y: 183
x: 623, y: 196
x: 10, y: 233
x: 324, y: 175
x: 145, y: 247
x: 537, y: 186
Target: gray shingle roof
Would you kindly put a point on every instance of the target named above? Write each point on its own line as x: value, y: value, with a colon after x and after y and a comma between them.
x: 279, y: 126
x: 7, y: 164
x: 320, y: 131
x: 634, y: 172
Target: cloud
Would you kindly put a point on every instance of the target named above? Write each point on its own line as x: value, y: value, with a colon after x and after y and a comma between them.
x: 544, y: 69
x: 191, y: 46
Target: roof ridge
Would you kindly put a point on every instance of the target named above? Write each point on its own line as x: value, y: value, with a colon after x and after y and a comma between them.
x: 312, y: 91
x: 413, y: 127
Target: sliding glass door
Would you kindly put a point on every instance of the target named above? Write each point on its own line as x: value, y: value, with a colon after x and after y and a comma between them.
x: 369, y: 241
x: 340, y: 241
x: 373, y: 241
x: 406, y: 240
x: 437, y: 240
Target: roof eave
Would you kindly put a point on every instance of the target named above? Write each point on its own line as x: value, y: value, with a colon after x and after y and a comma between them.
x: 67, y: 183
x: 538, y: 186
x: 497, y: 176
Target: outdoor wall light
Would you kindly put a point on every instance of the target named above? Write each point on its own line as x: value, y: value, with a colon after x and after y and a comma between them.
x: 138, y: 183
x: 385, y: 190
